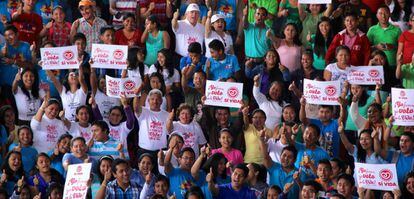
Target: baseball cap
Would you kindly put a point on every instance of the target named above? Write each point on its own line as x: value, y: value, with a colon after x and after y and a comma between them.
x: 216, y: 17
x: 192, y: 7
x: 87, y: 3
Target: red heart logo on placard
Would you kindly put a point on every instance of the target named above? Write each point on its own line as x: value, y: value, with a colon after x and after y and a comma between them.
x: 129, y: 85
x: 385, y: 174
x: 233, y: 92
x: 78, y: 169
x: 68, y: 55
x: 330, y: 90
x: 373, y: 73
x: 402, y: 93
x: 118, y: 54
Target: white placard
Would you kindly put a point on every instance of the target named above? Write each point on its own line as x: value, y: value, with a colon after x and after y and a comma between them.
x: 403, y: 106
x: 366, y: 75
x: 115, y: 87
x: 376, y: 176
x: 315, y: 1
x: 227, y: 94
x: 59, y: 58
x: 109, y: 56
x: 321, y: 92
x: 76, y: 185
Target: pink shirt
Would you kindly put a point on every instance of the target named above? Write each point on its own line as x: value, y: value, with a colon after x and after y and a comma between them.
x: 349, y: 41
x: 290, y: 56
x: 234, y: 156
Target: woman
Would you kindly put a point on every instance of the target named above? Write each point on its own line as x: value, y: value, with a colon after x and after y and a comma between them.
x: 320, y: 42
x: 136, y: 68
x: 105, y: 102
x: 289, y: 9
x: 154, y: 39
x: 400, y: 13
x: 164, y: 66
x: 12, y: 171
x: 56, y: 155
x: 406, y: 42
x: 43, y: 175
x: 104, y: 171
x: 256, y: 178
x: 81, y: 126
x: 27, y: 93
x: 233, y: 155
x: 24, y: 146
x: 145, y: 167
x: 339, y: 69
x: 215, y: 29
x: 77, y: 154
x: 311, y: 19
x: 290, y: 48
x: 129, y: 35
x: 174, y: 139
x: 408, y: 186
x: 271, y: 70
x: 8, y: 120
x: 72, y: 96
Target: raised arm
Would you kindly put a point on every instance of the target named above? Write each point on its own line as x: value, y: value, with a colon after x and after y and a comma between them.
x: 355, y: 116
x: 398, y: 73
x: 101, y: 193
x: 207, y: 26
x: 167, y: 39
x: 211, y: 185
x: 258, y: 96
x: 16, y: 81
x: 174, y: 21
x: 170, y: 126
x: 267, y: 161
x: 167, y: 160
x: 128, y: 112
x: 39, y: 114
x: 302, y: 11
x: 246, y: 121
x: 195, y: 169
x: 55, y: 81
x: 348, y: 146
x: 184, y: 79
x: 93, y: 79
x: 82, y: 81
x: 381, y: 151
x: 302, y: 111
x: 245, y: 17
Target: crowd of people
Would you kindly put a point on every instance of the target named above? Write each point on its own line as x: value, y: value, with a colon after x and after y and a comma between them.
x: 166, y: 142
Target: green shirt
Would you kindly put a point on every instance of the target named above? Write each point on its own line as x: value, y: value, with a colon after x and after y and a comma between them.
x: 256, y: 43
x: 271, y: 7
x: 376, y: 35
x: 407, y: 71
x: 310, y: 24
x: 318, y: 61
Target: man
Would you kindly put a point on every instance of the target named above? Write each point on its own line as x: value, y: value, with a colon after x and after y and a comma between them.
x: 193, y: 95
x: 236, y: 189
x: 122, y: 186
x: 357, y: 7
x: 90, y: 25
x: 187, y: 31
x: 16, y: 54
x: 194, y: 61
x: 221, y: 65
x: 180, y: 177
x: 384, y: 36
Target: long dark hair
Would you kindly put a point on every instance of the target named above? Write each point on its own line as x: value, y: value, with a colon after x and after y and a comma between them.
x: 213, y: 163
x: 35, y: 86
x: 12, y: 175
x: 362, y: 101
x: 320, y: 43
x: 154, y: 19
x: 280, y: 100
x: 65, y: 82
x: 108, y: 158
x: 361, y: 153
x: 54, y: 174
x: 396, y: 13
x: 296, y: 39
x: 274, y: 73
x: 404, y: 191
x: 133, y: 62
x: 168, y: 62
x: 161, y: 79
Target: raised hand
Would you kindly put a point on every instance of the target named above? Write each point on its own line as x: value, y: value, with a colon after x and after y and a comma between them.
x: 303, y: 101
x: 209, y: 13
x: 62, y: 114
x: 210, y: 176
x: 282, y: 67
x: 151, y: 6
x: 176, y: 14
x: 49, y: 25
x: 292, y: 86
x: 148, y: 178
x: 3, y: 178
x: 245, y: 110
x: 92, y: 100
x: 119, y: 147
x: 171, y: 115
x: 124, y: 100
x: 341, y: 127
x: 108, y: 175
x: 245, y: 11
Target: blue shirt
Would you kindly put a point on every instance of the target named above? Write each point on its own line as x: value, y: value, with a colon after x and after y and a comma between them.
x: 204, y: 187
x: 3, y: 140
x: 226, y: 191
x: 330, y: 136
x: 228, y: 8
x: 44, y: 9
x: 224, y: 68
x: 74, y: 160
x: 403, y: 165
x: 314, y: 155
x: 57, y: 163
x: 108, y: 147
x: 138, y: 178
x: 180, y: 181
x: 8, y: 72
x: 28, y: 157
x: 186, y: 61
x: 277, y: 176
x: 115, y: 191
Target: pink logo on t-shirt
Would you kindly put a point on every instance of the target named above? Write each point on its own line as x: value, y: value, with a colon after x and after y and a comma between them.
x: 114, y: 134
x: 191, y: 40
x: 51, y: 133
x: 155, y: 130
x: 188, y: 139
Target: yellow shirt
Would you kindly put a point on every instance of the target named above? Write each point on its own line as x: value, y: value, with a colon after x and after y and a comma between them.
x: 253, y: 149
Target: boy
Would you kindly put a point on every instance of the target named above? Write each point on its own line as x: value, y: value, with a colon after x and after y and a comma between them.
x: 220, y: 65
x: 195, y: 61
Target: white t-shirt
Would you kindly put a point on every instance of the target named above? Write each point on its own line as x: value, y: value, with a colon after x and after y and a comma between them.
x: 119, y: 132
x: 271, y: 108
x: 26, y: 107
x: 186, y: 34
x: 135, y: 73
x: 168, y: 80
x: 71, y: 101
x: 275, y: 149
x: 174, y: 163
x: 226, y: 40
x: 78, y: 131
x: 192, y: 134
x: 105, y: 103
x: 46, y: 133
x: 152, y: 129
x: 337, y: 73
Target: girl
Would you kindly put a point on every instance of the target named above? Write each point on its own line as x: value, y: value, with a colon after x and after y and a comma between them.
x: 57, y: 30
x: 289, y: 10
x: 8, y: 120
x: 130, y: 35
x: 136, y: 67
x: 104, y: 170
x: 25, y: 136
x: 105, y: 102
x: 72, y: 96
x: 62, y: 147
x: 81, y: 126
x: 226, y: 140
x: 174, y: 139
x: 189, y: 129
x: 408, y: 187
x: 271, y: 103
x: 289, y: 117
x: 164, y: 66
x: 43, y: 176
x: 145, y: 167
x: 154, y: 39
x: 282, y: 139
x: 311, y: 19
x: 401, y: 13
x: 290, y: 48
x: 12, y: 171
x: 26, y: 91
x: 215, y: 29
x: 46, y: 126
x: 78, y: 154
x: 272, y: 192
x: 339, y: 69
x: 320, y: 42
x: 256, y: 178
x: 271, y: 70
x: 156, y: 81
x: 55, y: 191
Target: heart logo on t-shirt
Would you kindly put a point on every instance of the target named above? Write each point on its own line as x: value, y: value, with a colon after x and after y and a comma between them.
x: 330, y: 90
x: 68, y: 55
x: 233, y: 92
x: 118, y: 54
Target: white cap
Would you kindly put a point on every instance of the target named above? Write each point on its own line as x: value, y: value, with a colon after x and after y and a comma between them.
x: 192, y: 7
x: 216, y: 17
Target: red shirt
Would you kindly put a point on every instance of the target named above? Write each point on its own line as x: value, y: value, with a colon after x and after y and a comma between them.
x: 373, y: 4
x: 29, y: 26
x: 135, y: 40
x: 407, y: 38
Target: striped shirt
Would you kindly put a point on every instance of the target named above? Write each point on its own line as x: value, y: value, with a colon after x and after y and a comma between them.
x: 91, y: 31
x: 113, y: 190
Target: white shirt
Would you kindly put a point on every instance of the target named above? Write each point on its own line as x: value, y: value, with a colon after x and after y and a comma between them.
x: 71, y: 101
x: 185, y: 34
x: 275, y: 149
x: 119, y: 132
x: 135, y: 73
x: 78, y: 131
x: 175, y: 78
x: 105, y: 103
x: 46, y: 133
x: 152, y: 129
x: 26, y: 107
x: 272, y: 108
x: 192, y: 134
x: 226, y: 40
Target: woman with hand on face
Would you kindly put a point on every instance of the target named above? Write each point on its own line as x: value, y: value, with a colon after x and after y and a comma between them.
x: 103, y: 175
x: 154, y: 39
x: 56, y: 155
x: 144, y: 176
x: 78, y: 155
